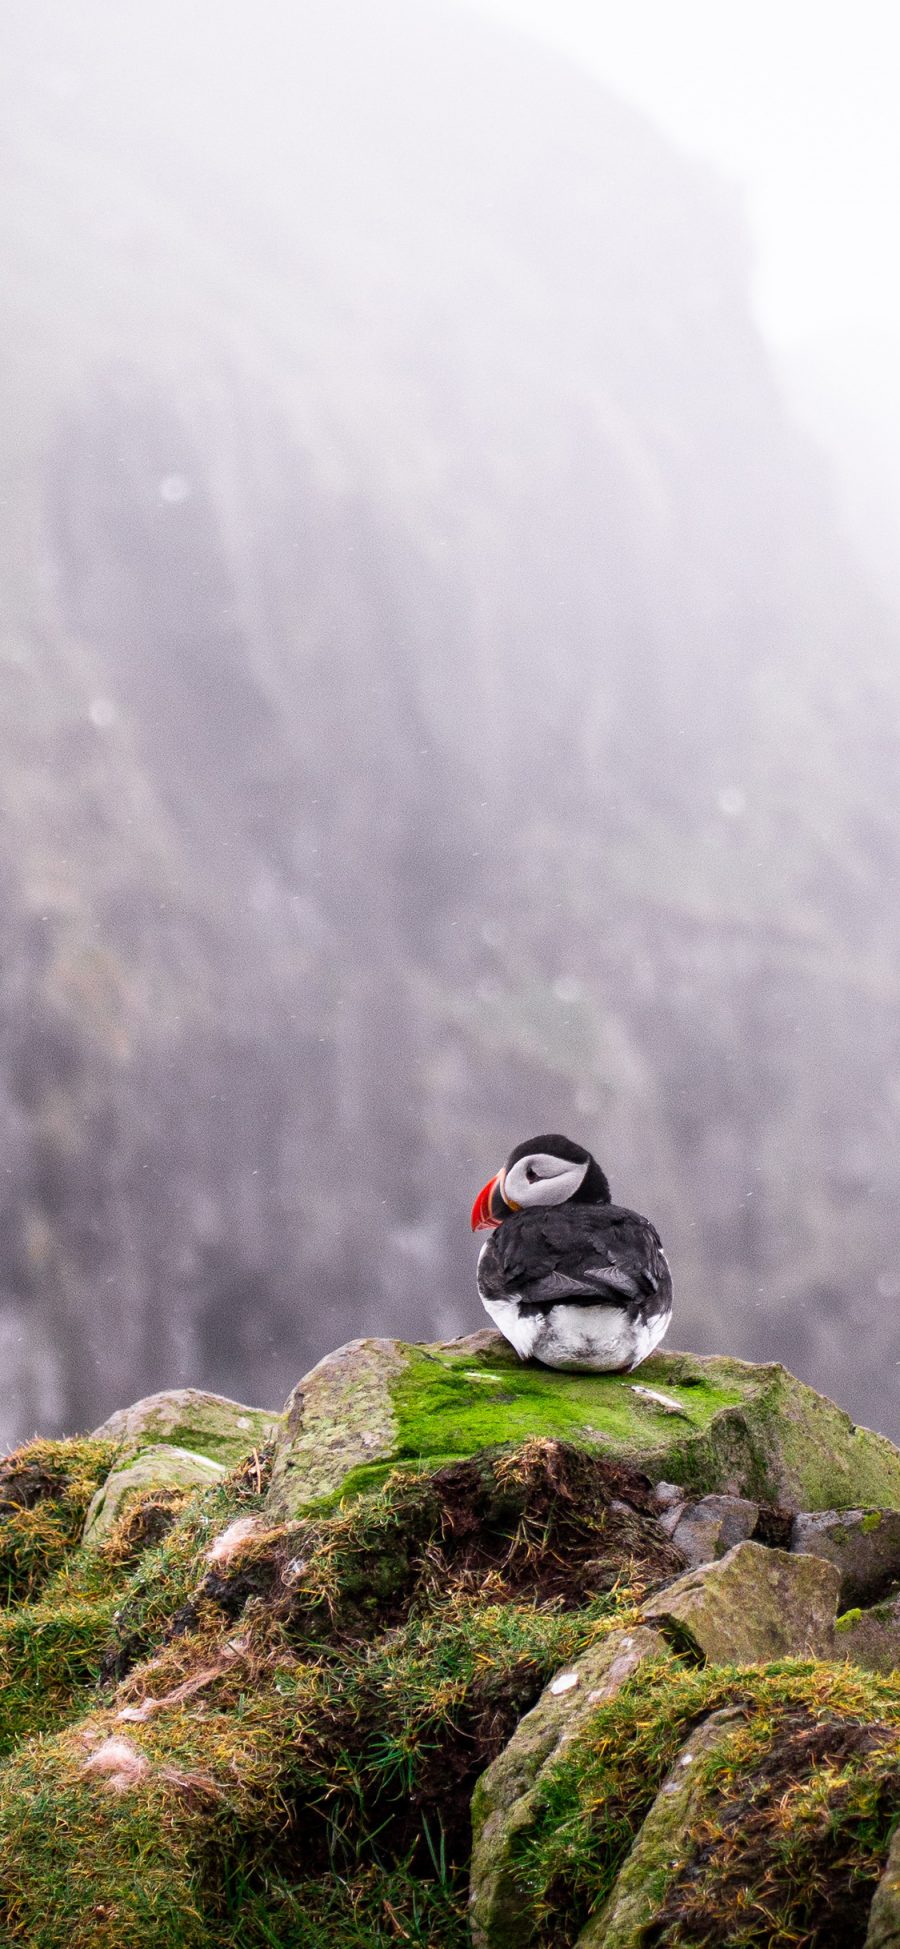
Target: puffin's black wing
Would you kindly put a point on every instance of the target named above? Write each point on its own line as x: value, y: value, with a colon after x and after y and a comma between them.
x: 577, y: 1255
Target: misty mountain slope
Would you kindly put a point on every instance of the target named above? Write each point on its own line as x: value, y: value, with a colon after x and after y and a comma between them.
x: 843, y: 387
x: 437, y: 702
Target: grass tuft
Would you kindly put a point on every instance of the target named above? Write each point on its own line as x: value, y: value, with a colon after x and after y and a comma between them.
x: 45, y: 1489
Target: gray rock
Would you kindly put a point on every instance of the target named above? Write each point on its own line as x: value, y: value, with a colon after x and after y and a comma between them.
x: 658, y: 1852
x: 863, y: 1543
x: 753, y: 1605
x: 708, y: 1529
x: 506, y: 1798
x: 669, y: 1501
x: 338, y: 1417
x: 161, y: 1467
x: 205, y: 1424
x: 884, y: 1915
x: 485, y: 1340
x: 665, y: 1494
x: 871, y: 1638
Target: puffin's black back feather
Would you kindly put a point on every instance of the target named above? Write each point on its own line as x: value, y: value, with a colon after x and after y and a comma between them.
x: 578, y: 1254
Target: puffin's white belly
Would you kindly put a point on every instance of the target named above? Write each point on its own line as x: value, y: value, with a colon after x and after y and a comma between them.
x: 597, y: 1339
x: 521, y: 1333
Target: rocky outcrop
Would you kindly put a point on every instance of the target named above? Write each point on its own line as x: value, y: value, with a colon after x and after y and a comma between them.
x: 739, y: 1431
x: 428, y: 1656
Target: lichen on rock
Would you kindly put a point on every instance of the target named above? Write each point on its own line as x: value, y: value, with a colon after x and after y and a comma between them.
x: 752, y: 1606
x: 340, y: 1417
x: 186, y: 1417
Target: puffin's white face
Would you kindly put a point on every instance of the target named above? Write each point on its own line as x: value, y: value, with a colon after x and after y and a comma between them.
x: 541, y: 1179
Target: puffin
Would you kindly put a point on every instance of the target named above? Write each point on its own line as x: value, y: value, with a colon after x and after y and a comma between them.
x: 571, y: 1279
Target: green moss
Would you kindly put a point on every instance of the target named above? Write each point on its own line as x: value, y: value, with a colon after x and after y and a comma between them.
x: 871, y: 1521
x: 847, y: 1620
x: 451, y: 1405
x: 446, y: 1410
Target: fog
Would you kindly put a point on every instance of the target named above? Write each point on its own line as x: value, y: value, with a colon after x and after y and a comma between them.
x: 450, y: 689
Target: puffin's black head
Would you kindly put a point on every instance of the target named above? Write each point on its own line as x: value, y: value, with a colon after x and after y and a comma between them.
x: 548, y: 1170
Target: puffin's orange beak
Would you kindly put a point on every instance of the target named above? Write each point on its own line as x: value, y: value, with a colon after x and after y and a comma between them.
x: 485, y: 1214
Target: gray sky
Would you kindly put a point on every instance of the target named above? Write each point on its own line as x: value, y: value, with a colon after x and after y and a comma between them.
x: 794, y: 100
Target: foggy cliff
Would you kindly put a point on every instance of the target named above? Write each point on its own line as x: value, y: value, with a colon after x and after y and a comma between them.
x: 437, y: 705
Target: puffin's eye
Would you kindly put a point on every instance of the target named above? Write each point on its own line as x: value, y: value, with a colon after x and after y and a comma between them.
x: 531, y: 1173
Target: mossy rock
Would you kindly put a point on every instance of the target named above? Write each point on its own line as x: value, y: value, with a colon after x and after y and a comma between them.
x: 507, y: 1797
x: 713, y: 1425
x: 623, y: 1922
x: 752, y: 1606
x: 161, y: 1467
x: 341, y: 1419
x: 710, y: 1805
x: 871, y: 1637
x: 186, y: 1417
